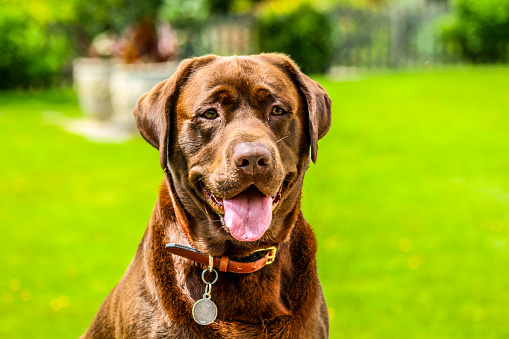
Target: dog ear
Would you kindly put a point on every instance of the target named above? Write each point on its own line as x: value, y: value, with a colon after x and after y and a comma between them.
x: 317, y: 98
x: 153, y: 110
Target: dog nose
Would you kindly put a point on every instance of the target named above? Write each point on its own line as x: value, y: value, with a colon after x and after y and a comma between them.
x: 251, y: 157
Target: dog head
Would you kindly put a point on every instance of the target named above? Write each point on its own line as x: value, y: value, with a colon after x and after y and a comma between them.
x: 237, y: 134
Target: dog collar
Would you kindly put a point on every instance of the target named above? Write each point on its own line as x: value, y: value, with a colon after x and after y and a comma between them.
x: 252, y: 263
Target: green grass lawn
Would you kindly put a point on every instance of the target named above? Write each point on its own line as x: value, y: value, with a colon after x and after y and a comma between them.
x: 409, y: 200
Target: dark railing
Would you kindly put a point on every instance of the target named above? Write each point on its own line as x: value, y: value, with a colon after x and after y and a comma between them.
x: 222, y: 36
x: 391, y: 37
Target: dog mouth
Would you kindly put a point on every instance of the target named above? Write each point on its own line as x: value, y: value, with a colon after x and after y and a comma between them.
x: 248, y: 214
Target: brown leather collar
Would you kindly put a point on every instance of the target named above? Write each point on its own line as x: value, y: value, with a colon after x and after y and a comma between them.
x: 249, y: 264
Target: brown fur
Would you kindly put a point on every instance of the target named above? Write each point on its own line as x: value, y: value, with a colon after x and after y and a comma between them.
x: 154, y: 299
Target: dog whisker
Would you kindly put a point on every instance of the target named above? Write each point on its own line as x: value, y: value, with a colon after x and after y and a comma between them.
x: 286, y: 136
x: 224, y: 228
x: 193, y: 184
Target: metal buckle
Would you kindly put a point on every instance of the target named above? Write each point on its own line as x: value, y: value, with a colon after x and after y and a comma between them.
x: 272, y: 254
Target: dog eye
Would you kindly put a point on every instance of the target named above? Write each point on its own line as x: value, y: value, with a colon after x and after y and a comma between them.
x: 276, y: 110
x: 210, y: 114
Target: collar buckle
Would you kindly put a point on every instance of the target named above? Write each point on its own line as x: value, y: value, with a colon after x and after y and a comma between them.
x: 272, y: 253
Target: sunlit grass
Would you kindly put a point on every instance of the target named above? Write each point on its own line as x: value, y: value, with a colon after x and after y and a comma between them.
x: 409, y: 200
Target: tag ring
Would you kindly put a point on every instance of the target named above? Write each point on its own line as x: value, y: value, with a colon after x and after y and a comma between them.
x: 203, y: 276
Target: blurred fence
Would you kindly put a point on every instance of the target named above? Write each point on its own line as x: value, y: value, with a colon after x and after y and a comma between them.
x: 391, y: 37
x: 385, y: 38
x: 222, y: 36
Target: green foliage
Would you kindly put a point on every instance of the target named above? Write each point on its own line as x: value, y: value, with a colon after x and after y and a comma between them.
x: 38, y: 37
x: 189, y: 14
x: 32, y: 53
x: 92, y: 17
x: 304, y: 34
x: 183, y: 13
x: 97, y: 16
x: 479, y: 30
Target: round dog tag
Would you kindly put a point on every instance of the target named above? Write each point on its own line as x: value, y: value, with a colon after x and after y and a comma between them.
x: 204, y: 311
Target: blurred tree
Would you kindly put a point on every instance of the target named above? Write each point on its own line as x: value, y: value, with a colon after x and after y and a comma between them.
x: 479, y: 30
x: 288, y: 6
x: 304, y: 34
x: 191, y: 17
x: 34, y: 46
x: 220, y: 7
x: 91, y: 17
x: 184, y: 13
x: 225, y: 7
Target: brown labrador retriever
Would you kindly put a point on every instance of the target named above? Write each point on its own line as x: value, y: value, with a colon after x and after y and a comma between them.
x: 235, y: 136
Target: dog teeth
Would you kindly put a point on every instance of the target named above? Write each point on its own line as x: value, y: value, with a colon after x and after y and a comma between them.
x: 216, y: 202
x: 276, y: 198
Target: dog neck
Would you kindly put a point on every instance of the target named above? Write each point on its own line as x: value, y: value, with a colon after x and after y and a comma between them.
x: 180, y: 279
x: 177, y: 208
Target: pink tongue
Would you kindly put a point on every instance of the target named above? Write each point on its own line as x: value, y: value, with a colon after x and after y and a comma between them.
x: 248, y: 214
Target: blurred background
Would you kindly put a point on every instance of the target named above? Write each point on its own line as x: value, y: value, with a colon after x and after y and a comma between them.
x: 409, y: 198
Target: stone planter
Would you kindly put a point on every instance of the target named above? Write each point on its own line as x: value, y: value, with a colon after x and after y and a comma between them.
x: 108, y: 90
x: 92, y: 84
x: 129, y: 81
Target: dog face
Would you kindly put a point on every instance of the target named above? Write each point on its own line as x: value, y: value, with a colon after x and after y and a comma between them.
x: 236, y: 133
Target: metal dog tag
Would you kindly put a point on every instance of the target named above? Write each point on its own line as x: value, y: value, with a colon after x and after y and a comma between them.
x: 204, y: 311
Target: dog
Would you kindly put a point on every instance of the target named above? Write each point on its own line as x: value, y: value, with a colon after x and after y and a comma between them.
x: 227, y: 252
